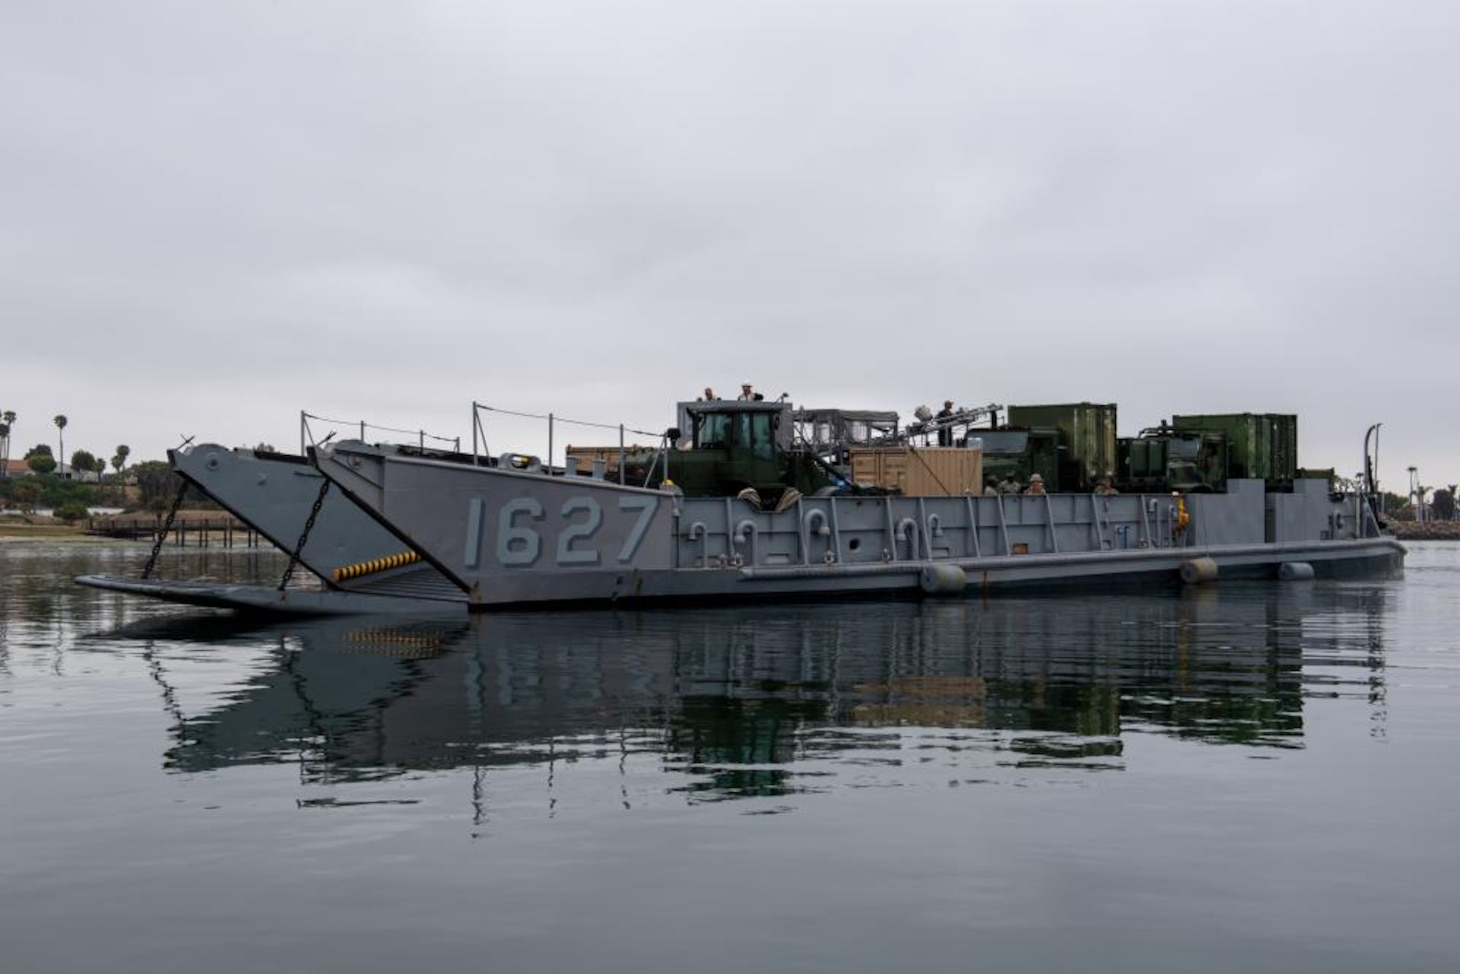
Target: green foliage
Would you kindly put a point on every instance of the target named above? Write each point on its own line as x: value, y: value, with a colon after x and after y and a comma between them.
x: 40, y: 449
x: 1397, y: 506
x: 83, y: 462
x: 42, y: 463
x: 56, y: 492
x: 156, y: 481
x: 1443, y: 505
x: 25, y: 494
x: 49, y: 490
x: 71, y: 511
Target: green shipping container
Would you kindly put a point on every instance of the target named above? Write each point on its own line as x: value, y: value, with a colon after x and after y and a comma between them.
x: 1088, y: 433
x: 1259, y: 445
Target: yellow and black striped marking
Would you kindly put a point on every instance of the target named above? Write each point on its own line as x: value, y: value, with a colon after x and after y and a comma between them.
x: 376, y: 565
x: 390, y: 642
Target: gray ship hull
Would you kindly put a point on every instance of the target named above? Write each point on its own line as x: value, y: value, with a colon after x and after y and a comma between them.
x: 533, y: 538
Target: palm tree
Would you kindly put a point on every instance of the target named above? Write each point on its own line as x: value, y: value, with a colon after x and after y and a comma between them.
x: 60, y: 422
x: 119, y: 460
x: 9, y: 417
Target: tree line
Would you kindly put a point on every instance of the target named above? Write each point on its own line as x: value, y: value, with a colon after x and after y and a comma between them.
x: 42, y: 460
x: 149, y: 485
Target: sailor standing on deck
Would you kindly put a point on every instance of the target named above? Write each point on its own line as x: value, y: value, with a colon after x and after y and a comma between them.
x: 945, y: 431
x: 745, y: 394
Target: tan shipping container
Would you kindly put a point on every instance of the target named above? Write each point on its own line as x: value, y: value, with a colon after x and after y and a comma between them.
x: 608, y: 454
x: 920, y: 471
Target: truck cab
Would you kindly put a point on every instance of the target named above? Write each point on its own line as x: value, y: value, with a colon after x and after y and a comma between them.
x: 1016, y: 455
x: 1163, y: 459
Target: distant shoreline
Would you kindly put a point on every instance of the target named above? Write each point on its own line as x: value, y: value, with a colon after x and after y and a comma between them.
x: 21, y: 531
x: 138, y: 526
x: 1425, y: 530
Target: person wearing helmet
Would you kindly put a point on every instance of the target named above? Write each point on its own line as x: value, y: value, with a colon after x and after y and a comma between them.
x: 1036, y: 485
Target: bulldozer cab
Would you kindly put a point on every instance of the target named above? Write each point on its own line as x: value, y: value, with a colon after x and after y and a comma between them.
x: 761, y: 429
x: 726, y: 431
x: 733, y: 445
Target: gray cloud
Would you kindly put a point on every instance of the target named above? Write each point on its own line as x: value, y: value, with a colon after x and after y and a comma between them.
x: 216, y: 216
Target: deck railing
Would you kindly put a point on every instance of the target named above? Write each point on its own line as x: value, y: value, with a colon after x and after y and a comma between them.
x: 481, y: 455
x: 419, y: 438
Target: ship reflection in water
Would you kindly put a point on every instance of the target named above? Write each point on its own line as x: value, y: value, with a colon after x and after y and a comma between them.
x: 733, y: 703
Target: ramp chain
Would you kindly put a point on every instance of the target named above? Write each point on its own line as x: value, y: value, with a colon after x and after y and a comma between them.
x: 162, y: 535
x: 324, y: 488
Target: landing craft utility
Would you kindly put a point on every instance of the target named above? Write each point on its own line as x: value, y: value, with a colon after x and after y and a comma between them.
x: 761, y: 500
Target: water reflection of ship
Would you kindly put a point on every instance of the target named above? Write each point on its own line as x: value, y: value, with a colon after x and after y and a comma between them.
x: 747, y: 701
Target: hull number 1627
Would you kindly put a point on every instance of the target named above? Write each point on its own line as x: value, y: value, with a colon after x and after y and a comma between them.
x: 573, y: 534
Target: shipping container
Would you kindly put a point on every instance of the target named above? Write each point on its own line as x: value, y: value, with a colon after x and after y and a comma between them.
x: 922, y: 471
x: 586, y: 455
x: 1088, y: 433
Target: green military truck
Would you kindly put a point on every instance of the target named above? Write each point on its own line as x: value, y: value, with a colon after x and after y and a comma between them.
x: 1012, y: 456
x: 1085, y: 447
x: 1163, y: 458
x: 1263, y: 446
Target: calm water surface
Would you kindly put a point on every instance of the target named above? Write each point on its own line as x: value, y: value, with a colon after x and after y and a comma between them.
x: 1245, y: 777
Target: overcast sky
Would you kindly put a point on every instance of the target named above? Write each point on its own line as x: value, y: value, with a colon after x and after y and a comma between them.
x: 215, y: 215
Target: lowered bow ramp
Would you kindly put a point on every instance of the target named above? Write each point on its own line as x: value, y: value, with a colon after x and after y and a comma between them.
x: 365, y: 568
x: 270, y: 601
x: 278, y: 494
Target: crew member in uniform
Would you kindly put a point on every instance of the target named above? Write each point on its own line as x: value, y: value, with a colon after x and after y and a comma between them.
x: 945, y: 432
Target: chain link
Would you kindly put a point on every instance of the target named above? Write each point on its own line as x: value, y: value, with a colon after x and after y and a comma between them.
x: 162, y: 535
x: 324, y: 488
